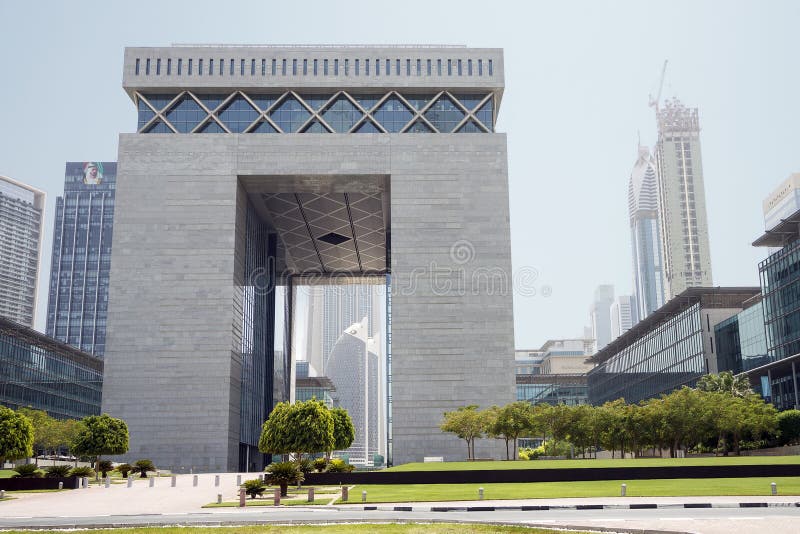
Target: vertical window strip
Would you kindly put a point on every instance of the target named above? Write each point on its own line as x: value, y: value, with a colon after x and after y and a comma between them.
x: 491, y: 73
x: 252, y: 67
x: 438, y: 67
x: 469, y: 67
x: 283, y: 67
x: 347, y: 67
x: 263, y: 67
x: 305, y: 67
x: 324, y: 67
x: 241, y: 67
x: 458, y: 63
x: 366, y: 67
x: 419, y: 67
x: 449, y: 67
x: 147, y: 67
x: 357, y: 66
x: 169, y: 66
x: 199, y: 67
x: 211, y: 67
x: 480, y: 67
x: 274, y: 67
x: 221, y: 66
x: 429, y: 68
x: 397, y: 67
x: 231, y: 69
x: 137, y: 66
x: 315, y: 67
x: 408, y: 67
x: 335, y: 67
x: 294, y: 67
x: 180, y: 65
x: 190, y: 67
x: 388, y: 68
x: 377, y: 67
x: 158, y: 67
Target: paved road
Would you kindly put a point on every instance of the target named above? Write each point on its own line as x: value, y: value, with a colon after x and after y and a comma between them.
x: 162, y: 504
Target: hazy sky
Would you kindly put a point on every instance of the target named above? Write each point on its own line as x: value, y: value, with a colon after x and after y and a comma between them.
x: 578, y: 76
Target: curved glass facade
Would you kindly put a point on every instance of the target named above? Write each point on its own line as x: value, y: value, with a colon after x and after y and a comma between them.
x: 290, y: 112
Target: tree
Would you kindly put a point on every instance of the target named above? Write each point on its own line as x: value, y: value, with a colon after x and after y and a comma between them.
x: 511, y: 421
x: 466, y: 423
x: 343, y: 430
x: 42, y: 425
x: 100, y: 434
x: 283, y: 474
x: 789, y: 426
x: 16, y: 435
x: 725, y: 382
x: 302, y: 427
x: 143, y: 466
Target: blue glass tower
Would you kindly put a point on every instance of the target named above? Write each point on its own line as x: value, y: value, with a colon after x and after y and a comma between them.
x: 78, y: 299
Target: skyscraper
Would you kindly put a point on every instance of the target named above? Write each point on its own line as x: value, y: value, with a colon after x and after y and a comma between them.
x: 78, y: 299
x: 332, y: 308
x: 600, y: 314
x: 681, y: 199
x: 645, y: 236
x: 623, y: 315
x: 21, y: 219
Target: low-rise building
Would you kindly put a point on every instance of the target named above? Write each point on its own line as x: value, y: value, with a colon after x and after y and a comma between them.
x: 670, y: 348
x: 39, y: 372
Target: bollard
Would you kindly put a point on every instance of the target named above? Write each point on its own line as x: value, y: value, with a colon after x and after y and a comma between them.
x: 2, y: 494
x: 216, y: 480
x: 242, y: 498
x: 152, y: 482
x: 363, y: 496
x: 238, y: 480
x: 130, y: 481
x: 345, y: 493
x: 78, y: 481
x: 219, y: 498
x: 86, y: 482
x: 774, y: 488
x: 174, y: 481
x: 108, y: 481
x: 310, y: 494
x: 60, y: 485
x: 194, y: 481
x: 276, y: 497
x: 623, y: 490
x: 480, y: 494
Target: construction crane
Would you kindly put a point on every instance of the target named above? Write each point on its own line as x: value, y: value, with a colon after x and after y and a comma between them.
x: 653, y: 102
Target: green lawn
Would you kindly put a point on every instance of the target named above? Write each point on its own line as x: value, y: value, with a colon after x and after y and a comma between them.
x: 350, y: 528
x: 562, y: 464
x: 602, y: 488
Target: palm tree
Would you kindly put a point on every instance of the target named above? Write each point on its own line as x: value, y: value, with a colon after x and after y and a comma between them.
x: 726, y: 382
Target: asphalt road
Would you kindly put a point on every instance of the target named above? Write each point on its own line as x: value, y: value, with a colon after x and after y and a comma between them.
x: 707, y: 521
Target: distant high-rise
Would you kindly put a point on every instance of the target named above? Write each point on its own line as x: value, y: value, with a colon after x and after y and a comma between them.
x: 623, y: 315
x: 600, y: 313
x: 681, y: 200
x: 331, y: 310
x: 21, y: 219
x: 645, y: 235
x: 354, y: 367
x: 78, y: 303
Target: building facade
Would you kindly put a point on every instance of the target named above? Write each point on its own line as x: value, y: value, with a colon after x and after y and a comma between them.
x: 81, y: 260
x: 624, y: 314
x: 783, y: 202
x: 681, y: 200
x: 569, y: 389
x: 668, y: 349
x: 741, y: 339
x: 358, y: 161
x: 42, y: 373
x: 648, y: 272
x: 21, y: 220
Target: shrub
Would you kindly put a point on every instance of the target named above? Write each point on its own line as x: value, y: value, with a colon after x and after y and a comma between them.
x: 306, y: 465
x: 104, y: 466
x: 254, y: 487
x: 124, y: 469
x: 789, y: 426
x: 338, y: 465
x: 320, y: 464
x: 283, y: 474
x: 82, y: 472
x: 27, y: 471
x: 57, y: 471
x: 142, y: 467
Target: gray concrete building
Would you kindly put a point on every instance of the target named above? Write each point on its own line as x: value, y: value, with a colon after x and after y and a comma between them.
x: 21, y: 219
x: 256, y: 167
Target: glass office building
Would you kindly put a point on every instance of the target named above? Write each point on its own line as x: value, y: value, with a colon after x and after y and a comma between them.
x: 741, y: 340
x: 78, y: 299
x: 569, y: 389
x: 39, y: 372
x: 670, y: 348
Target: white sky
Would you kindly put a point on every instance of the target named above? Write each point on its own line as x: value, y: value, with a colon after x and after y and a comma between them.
x: 578, y: 76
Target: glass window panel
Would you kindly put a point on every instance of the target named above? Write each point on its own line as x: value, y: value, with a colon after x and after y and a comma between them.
x: 486, y: 114
x: 418, y: 101
x: 342, y: 115
x: 263, y: 127
x: 290, y: 115
x: 444, y: 114
x: 367, y: 101
x: 158, y: 127
x: 315, y: 127
x: 212, y: 102
x: 419, y: 127
x: 469, y: 101
x: 367, y: 127
x: 393, y: 115
x: 470, y: 127
x: 315, y: 101
x: 238, y: 114
x: 185, y: 114
x: 211, y: 127
x: 263, y: 101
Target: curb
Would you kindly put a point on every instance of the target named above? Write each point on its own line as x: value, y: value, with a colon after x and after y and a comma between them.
x: 636, y: 506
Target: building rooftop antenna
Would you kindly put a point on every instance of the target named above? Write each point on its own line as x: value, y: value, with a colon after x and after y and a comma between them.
x: 653, y: 102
